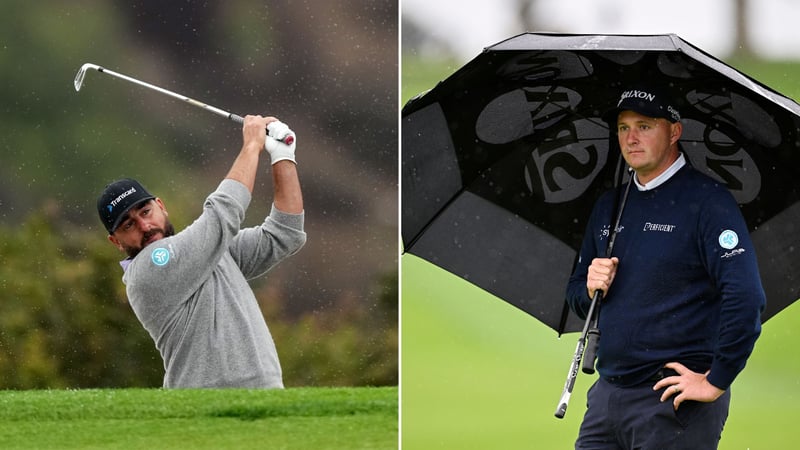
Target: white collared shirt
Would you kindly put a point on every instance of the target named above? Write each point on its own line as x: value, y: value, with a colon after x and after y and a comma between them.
x: 666, y: 175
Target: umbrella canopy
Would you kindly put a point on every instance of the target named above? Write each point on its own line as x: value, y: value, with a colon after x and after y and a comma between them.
x: 502, y: 161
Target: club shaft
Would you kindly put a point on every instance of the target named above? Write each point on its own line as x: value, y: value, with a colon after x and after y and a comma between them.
x: 181, y: 97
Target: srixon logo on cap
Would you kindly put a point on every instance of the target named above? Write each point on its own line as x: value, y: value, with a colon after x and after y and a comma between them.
x: 633, y: 93
x: 652, y: 101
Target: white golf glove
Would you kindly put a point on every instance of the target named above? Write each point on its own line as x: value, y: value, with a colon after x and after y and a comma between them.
x: 278, y: 133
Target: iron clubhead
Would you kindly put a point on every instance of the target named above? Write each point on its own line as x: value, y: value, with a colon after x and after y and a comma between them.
x: 82, y: 72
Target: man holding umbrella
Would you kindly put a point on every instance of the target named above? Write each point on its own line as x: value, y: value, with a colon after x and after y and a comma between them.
x: 190, y: 289
x: 682, y: 292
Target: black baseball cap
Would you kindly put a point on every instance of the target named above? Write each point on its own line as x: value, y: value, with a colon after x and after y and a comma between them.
x: 649, y: 101
x: 117, y: 199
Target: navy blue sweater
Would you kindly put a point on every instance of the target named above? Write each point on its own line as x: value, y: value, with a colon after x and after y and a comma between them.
x: 687, y: 287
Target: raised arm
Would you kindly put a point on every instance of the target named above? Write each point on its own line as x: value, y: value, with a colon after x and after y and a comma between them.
x: 245, y: 166
x: 288, y: 196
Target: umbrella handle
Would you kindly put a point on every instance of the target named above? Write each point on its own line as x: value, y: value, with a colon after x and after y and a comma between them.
x: 592, y: 342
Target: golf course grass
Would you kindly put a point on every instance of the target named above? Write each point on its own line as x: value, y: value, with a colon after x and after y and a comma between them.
x: 296, y: 418
x: 478, y: 373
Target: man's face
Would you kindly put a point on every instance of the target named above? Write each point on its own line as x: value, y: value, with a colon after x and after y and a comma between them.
x: 647, y: 143
x: 144, y: 224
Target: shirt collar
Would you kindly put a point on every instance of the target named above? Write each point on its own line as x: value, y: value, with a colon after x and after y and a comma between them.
x: 125, y: 263
x: 661, y: 179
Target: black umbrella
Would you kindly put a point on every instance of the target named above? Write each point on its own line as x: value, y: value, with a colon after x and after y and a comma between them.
x: 502, y: 161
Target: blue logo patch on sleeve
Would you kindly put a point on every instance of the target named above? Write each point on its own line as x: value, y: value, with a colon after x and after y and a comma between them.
x: 160, y: 256
x: 728, y: 239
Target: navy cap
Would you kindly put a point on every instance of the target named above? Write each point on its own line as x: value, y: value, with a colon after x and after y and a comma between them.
x: 646, y: 100
x: 117, y: 199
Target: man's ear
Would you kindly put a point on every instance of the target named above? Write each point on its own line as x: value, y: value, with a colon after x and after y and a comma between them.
x: 676, y: 129
x: 116, y: 243
x: 161, y: 205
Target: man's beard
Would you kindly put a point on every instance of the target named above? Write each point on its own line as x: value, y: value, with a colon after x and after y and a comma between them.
x: 167, y: 231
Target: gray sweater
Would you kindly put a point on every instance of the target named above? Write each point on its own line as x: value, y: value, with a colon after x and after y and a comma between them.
x: 190, y: 292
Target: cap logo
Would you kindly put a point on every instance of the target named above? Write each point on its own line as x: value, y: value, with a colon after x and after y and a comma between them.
x: 652, y: 101
x: 674, y: 113
x: 636, y: 94
x: 120, y: 197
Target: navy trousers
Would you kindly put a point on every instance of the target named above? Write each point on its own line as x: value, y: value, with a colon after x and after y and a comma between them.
x: 634, y: 418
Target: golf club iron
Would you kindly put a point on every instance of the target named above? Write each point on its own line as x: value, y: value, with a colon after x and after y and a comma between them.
x: 234, y: 117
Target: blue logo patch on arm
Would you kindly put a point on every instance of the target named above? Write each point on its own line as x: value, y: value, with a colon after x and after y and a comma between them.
x: 728, y: 239
x: 160, y: 256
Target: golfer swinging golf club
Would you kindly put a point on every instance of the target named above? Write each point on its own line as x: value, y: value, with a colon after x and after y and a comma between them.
x: 683, y: 295
x: 189, y: 289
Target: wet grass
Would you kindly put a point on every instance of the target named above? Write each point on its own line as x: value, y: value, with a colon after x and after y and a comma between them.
x: 480, y: 374
x: 297, y: 418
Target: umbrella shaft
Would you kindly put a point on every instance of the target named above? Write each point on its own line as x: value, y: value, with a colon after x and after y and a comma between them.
x: 591, y: 322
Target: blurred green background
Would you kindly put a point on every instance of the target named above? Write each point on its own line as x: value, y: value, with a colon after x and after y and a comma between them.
x: 477, y: 373
x: 330, y: 73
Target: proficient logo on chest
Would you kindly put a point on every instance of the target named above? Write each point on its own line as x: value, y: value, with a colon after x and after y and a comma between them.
x: 660, y: 227
x: 160, y: 256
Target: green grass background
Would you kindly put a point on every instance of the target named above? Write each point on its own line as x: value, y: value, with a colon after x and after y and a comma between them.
x: 477, y: 373
x: 296, y: 418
